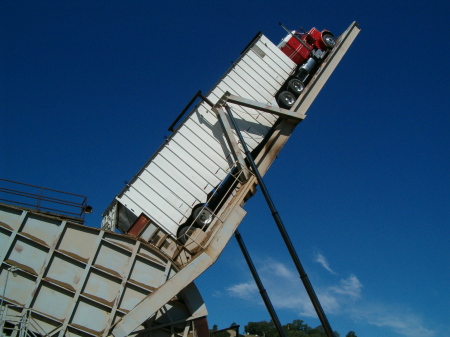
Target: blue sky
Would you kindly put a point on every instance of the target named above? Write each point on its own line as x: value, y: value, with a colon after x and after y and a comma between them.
x: 89, y: 88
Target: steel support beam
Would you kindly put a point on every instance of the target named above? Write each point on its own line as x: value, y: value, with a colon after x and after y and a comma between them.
x: 303, y: 276
x: 259, y: 284
x: 122, y: 285
x: 265, y: 107
x: 229, y: 136
x: 153, y: 302
x: 83, y: 279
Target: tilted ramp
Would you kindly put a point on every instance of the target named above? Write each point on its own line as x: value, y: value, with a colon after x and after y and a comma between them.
x: 76, y: 280
x: 207, y: 245
x: 196, y: 158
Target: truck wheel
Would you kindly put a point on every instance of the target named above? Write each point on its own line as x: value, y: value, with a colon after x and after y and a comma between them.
x: 202, y: 215
x: 295, y: 86
x: 286, y: 99
x: 184, y: 232
x: 329, y: 40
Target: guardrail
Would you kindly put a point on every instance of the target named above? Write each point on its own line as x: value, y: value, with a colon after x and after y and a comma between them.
x: 15, y: 320
x: 44, y: 200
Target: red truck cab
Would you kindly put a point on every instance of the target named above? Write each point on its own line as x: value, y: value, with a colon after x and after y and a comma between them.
x: 312, y: 40
x: 307, y: 50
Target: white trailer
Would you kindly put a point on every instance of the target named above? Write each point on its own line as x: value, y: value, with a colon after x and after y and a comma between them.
x: 190, y: 167
x: 196, y: 158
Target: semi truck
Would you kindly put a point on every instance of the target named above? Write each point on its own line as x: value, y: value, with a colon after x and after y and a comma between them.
x: 307, y: 50
x: 171, y: 221
x: 184, y: 184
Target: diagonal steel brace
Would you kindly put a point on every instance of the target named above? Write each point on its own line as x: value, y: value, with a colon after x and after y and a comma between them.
x: 266, y: 107
x: 232, y: 143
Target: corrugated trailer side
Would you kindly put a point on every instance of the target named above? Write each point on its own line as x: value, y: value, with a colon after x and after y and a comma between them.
x: 196, y: 158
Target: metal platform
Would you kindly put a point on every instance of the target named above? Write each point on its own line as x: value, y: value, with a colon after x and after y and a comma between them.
x: 66, y: 279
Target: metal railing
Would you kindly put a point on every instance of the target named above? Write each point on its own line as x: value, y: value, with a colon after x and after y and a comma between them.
x: 44, y: 200
x: 213, y: 205
x: 19, y: 323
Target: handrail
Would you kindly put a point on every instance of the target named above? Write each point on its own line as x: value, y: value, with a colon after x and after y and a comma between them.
x: 197, y: 95
x: 44, y: 199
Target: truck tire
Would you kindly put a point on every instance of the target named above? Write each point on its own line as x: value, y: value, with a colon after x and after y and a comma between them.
x: 184, y: 232
x: 295, y: 86
x: 286, y: 99
x: 202, y: 215
x: 329, y: 41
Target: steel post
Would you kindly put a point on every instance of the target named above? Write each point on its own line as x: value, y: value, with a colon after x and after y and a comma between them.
x: 303, y: 276
x: 259, y: 284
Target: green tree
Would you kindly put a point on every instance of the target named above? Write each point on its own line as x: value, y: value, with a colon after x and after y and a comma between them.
x: 319, y: 331
x: 316, y: 332
x: 299, y: 325
x: 295, y: 333
x: 351, y: 334
x: 296, y: 328
x: 263, y: 328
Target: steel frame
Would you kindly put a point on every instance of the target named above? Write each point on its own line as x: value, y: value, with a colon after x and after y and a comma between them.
x: 232, y: 213
x: 225, y: 224
x: 59, y: 240
x: 297, y: 116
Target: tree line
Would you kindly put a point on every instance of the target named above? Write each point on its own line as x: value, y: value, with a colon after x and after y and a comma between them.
x: 267, y: 329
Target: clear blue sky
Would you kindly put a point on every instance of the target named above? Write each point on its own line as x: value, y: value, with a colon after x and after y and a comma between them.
x: 88, y: 89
